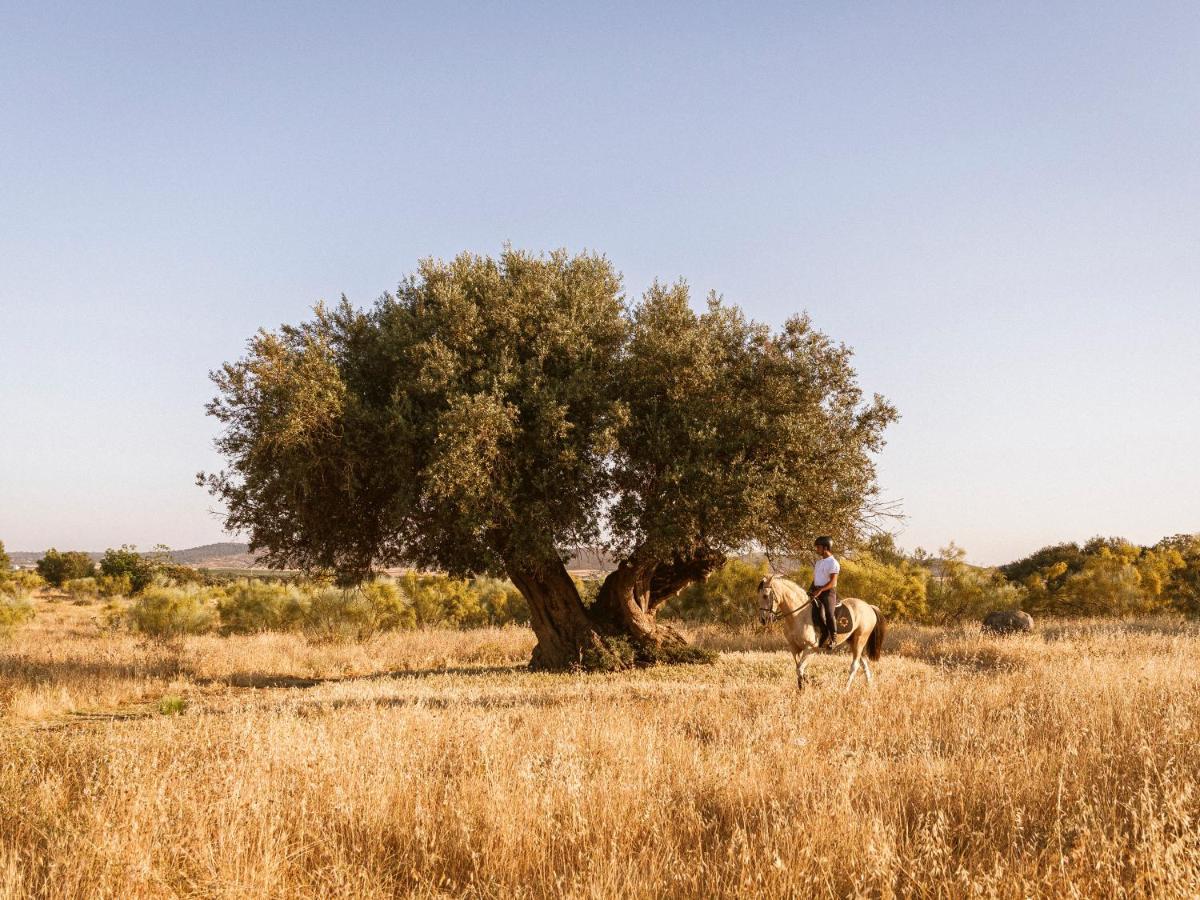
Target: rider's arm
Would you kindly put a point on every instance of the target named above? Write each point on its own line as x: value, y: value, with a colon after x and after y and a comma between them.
x: 831, y: 583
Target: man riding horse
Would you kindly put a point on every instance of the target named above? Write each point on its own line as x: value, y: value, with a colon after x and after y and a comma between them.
x: 824, y: 589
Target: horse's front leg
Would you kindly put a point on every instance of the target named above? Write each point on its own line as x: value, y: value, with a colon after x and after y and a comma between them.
x: 801, y: 664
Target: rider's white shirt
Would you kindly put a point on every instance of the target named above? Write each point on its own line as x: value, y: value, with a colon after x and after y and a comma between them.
x: 824, y: 570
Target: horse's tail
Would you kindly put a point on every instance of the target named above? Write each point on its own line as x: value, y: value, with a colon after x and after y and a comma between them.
x: 875, y: 638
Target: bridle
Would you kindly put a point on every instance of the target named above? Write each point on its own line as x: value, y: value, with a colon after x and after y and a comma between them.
x: 773, y: 610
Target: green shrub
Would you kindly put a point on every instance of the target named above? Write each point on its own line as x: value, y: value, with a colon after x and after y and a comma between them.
x: 357, y: 613
x: 589, y: 590
x: 58, y: 568
x: 126, y: 562
x: 172, y: 705
x: 163, y: 612
x: 438, y: 600
x: 729, y: 596
x: 324, y: 611
x: 15, y: 609
x: 1183, y: 582
x: 504, y: 604
x: 251, y: 605
x: 957, y: 591
x: 113, y: 585
x: 21, y: 583
x: 82, y: 588
x: 898, y: 588
x: 15, y: 606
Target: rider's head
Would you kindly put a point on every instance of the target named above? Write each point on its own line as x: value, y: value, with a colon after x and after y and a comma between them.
x: 823, y: 544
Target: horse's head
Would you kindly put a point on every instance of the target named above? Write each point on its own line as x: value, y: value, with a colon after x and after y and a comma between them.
x: 768, y: 600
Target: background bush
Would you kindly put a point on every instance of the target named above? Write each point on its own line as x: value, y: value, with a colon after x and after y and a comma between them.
x: 81, y: 588
x: 728, y: 596
x: 250, y: 605
x: 57, y: 568
x: 15, y: 607
x: 125, y: 562
x: 164, y: 612
x: 334, y: 613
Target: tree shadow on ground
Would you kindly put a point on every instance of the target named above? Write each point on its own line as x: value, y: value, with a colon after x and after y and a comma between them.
x: 1060, y: 631
x: 270, y: 680
x: 41, y: 671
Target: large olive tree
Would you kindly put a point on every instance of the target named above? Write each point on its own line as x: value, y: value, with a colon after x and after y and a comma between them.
x: 494, y: 414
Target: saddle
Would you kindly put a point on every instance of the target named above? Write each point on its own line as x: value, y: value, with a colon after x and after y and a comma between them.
x: 842, y: 619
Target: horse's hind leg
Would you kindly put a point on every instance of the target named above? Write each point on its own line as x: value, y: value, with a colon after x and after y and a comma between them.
x: 867, y: 670
x: 857, y: 645
x: 853, y: 671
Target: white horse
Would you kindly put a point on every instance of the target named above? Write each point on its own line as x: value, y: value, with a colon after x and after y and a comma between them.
x: 786, y: 601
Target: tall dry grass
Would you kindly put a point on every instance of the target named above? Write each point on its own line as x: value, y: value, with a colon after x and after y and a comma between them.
x: 431, y: 764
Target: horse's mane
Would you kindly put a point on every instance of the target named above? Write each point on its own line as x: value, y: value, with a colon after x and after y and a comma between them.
x: 794, y: 593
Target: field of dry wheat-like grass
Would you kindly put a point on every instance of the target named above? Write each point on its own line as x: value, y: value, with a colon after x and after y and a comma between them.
x: 432, y: 764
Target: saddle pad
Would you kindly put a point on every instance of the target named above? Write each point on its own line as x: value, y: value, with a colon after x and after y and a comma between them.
x: 845, y: 622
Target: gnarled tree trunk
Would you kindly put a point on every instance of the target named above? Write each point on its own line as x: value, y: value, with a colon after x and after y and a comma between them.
x: 565, y: 634
x: 620, y: 629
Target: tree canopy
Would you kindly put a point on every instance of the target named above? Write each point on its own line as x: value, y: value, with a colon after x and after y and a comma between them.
x: 57, y: 567
x: 493, y: 414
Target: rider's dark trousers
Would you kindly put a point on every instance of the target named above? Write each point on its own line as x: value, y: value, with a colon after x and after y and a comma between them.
x: 826, y: 604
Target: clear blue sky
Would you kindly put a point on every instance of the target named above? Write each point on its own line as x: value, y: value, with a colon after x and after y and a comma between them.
x: 996, y: 205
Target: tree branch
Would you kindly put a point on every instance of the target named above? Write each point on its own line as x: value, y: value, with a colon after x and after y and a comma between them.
x: 669, y: 578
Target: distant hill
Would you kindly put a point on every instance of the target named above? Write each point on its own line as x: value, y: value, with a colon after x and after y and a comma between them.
x: 235, y: 555
x: 227, y: 555
x: 591, y: 559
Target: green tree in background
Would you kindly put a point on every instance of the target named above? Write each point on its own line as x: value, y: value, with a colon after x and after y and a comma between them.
x: 896, y: 585
x: 1183, y: 584
x: 57, y: 568
x: 957, y: 591
x: 125, y: 562
x: 494, y: 414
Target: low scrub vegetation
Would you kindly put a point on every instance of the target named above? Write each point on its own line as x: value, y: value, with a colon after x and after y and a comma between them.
x: 15, y: 608
x: 1104, y: 577
x: 16, y: 589
x: 172, y: 612
x: 317, y: 608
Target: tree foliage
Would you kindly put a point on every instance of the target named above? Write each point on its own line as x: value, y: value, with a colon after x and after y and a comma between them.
x: 56, y: 567
x: 1111, y: 576
x: 491, y: 415
x: 126, y: 563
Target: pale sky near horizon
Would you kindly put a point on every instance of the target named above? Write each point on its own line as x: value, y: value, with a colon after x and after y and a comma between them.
x: 996, y: 205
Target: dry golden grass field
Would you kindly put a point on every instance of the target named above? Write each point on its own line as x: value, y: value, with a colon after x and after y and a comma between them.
x: 431, y: 764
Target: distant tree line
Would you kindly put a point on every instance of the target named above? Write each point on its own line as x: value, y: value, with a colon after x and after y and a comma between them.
x: 121, y: 571
x: 1102, y: 577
